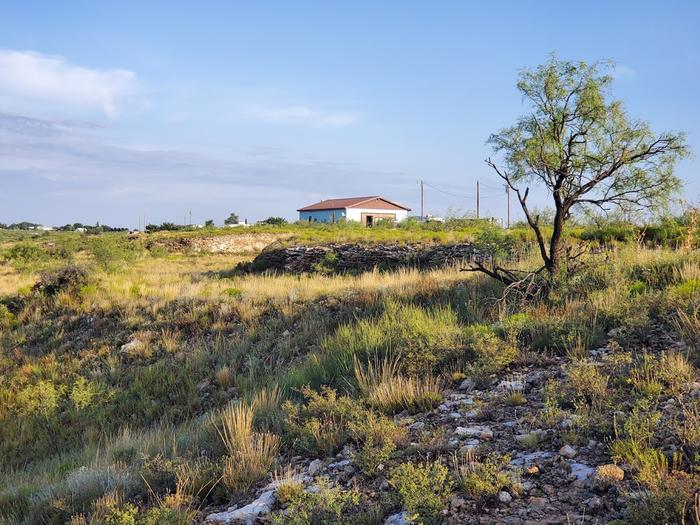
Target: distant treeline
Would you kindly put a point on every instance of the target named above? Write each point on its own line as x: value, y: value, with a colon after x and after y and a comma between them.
x: 77, y: 226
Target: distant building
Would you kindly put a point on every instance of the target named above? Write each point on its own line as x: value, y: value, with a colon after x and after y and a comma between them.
x: 367, y: 210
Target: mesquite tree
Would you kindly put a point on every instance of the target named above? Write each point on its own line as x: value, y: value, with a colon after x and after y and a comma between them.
x: 579, y: 144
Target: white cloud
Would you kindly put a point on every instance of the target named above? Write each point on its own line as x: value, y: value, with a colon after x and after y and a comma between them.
x: 29, y: 77
x: 301, y: 114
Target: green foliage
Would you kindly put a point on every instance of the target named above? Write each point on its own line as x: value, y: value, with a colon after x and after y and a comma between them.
x: 424, y: 489
x: 6, y: 317
x: 489, y: 352
x: 321, y: 426
x: 423, y: 338
x: 69, y: 279
x: 483, y: 479
x: 670, y: 500
x: 372, y: 459
x: 328, y: 506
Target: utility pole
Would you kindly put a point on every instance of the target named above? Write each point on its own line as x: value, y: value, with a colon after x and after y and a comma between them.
x: 508, y: 197
x: 421, y: 200
x: 477, y: 200
x: 190, y: 216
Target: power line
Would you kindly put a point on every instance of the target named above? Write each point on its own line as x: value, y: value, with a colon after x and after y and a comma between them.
x: 448, y: 192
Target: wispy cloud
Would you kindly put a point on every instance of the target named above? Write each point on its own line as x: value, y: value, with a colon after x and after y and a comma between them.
x: 71, y: 171
x: 301, y: 114
x: 29, y: 77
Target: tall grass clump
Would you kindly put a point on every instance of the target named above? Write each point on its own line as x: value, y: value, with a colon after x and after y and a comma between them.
x: 387, y: 390
x: 250, y: 454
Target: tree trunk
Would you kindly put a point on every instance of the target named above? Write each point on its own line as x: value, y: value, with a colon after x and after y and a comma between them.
x: 556, y: 245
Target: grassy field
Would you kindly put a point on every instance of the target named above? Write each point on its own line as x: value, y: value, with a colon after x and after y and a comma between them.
x: 142, y: 386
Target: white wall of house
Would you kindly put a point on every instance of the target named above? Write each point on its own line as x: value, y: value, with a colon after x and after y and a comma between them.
x: 355, y: 214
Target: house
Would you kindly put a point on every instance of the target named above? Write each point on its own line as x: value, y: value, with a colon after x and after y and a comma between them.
x: 367, y: 210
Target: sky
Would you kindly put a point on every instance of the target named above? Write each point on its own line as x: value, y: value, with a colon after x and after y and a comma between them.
x: 121, y: 112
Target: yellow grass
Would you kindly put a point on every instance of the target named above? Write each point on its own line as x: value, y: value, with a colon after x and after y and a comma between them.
x: 11, y: 282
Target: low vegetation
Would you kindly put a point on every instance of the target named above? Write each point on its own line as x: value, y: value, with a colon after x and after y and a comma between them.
x: 146, y: 386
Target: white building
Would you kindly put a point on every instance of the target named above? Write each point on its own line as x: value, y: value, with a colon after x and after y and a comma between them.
x: 367, y: 210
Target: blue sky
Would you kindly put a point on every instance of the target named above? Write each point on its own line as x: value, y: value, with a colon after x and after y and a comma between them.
x: 114, y: 110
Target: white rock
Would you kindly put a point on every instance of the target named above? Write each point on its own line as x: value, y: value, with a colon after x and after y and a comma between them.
x: 418, y: 425
x: 504, y: 497
x: 340, y: 464
x: 467, y: 384
x: 476, y: 431
x: 567, y: 451
x: 315, y: 467
x: 248, y: 514
x: 581, y: 472
x: 401, y: 518
x: 131, y: 346
x: 516, y: 385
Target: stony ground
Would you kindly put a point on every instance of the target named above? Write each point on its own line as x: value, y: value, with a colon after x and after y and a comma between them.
x: 559, y: 483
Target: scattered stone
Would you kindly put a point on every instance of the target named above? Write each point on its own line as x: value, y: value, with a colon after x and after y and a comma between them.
x: 567, y: 451
x: 315, y: 467
x: 401, y: 518
x: 418, y: 425
x: 593, y: 504
x: 476, y: 431
x: 457, y: 502
x: 537, y: 501
x: 248, y: 514
x: 467, y: 384
x: 505, y: 497
x: 580, y: 471
x: 340, y: 464
x: 606, y: 475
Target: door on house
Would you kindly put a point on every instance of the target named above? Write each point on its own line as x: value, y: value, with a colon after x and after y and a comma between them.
x: 369, y: 220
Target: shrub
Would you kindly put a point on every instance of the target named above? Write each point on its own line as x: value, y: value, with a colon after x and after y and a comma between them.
x: 371, y: 459
x: 328, y: 506
x: 68, y: 279
x: 6, y: 317
x: 587, y: 383
x: 26, y: 256
x: 672, y: 500
x: 490, y: 352
x: 482, y: 479
x: 321, y: 426
x: 424, y: 489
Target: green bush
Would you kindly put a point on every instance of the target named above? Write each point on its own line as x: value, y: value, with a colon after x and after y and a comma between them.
x: 424, y: 489
x: 328, y: 506
x: 321, y: 426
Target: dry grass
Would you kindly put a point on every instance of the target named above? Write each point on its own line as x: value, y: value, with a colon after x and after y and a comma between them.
x: 387, y: 390
x: 251, y: 454
x: 11, y: 281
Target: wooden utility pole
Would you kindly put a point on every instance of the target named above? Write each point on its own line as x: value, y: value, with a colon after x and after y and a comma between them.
x: 421, y: 200
x: 477, y: 200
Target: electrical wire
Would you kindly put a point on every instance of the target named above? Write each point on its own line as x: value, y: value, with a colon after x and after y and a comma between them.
x: 460, y: 195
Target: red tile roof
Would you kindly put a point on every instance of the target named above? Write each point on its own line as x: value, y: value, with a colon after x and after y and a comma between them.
x: 373, y: 202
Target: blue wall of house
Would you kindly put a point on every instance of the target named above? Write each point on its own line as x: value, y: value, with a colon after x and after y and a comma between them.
x: 322, y: 215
